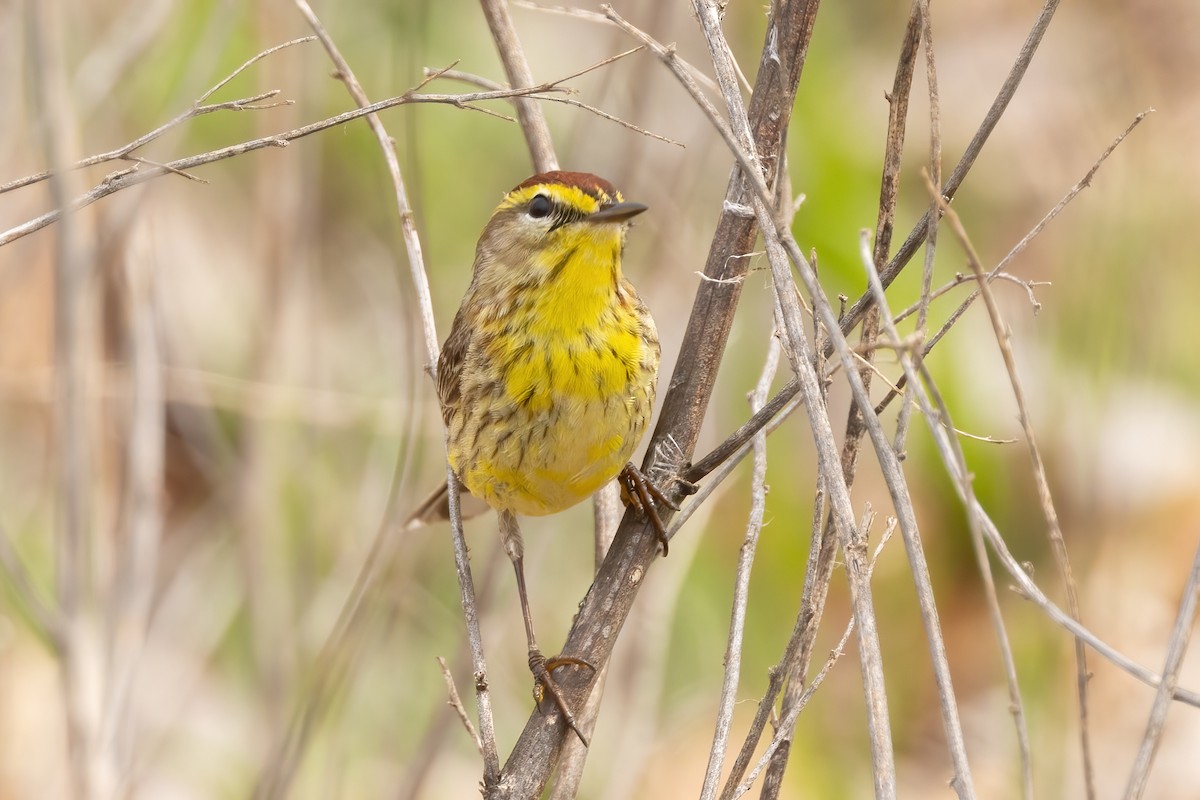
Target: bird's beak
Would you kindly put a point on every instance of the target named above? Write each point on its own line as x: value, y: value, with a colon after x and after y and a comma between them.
x: 618, y: 212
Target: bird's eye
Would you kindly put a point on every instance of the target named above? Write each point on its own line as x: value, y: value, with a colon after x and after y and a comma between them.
x: 540, y: 206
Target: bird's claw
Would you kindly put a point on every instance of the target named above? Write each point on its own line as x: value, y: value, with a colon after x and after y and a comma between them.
x: 543, y: 684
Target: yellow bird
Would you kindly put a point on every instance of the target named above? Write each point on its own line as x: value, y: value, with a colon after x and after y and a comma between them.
x: 547, y: 378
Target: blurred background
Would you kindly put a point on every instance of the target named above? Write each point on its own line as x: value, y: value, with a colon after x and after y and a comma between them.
x: 270, y: 314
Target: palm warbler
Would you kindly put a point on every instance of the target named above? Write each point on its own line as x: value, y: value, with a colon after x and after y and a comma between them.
x: 546, y: 380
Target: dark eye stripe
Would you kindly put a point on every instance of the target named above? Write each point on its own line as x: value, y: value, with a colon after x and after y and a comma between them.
x: 565, y: 215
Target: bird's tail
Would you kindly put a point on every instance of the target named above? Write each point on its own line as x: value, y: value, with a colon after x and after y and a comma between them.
x: 436, y: 507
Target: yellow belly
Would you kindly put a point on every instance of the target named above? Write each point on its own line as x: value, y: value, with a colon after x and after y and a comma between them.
x: 551, y: 460
x: 554, y: 418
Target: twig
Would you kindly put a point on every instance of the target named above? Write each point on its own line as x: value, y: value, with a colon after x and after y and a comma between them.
x: 1054, y: 530
x: 747, y: 431
x: 1176, y: 650
x: 709, y: 462
x: 935, y: 169
x: 741, y: 588
x: 198, y: 109
x: 133, y: 177
x: 421, y: 764
x: 788, y: 723
x: 1026, y: 586
x: 938, y: 421
x: 329, y: 663
x: 1080, y: 185
x: 455, y: 702
x: 488, y: 85
x: 997, y: 271
x: 960, y: 278
x: 819, y: 569
x: 778, y: 237
x: 819, y: 558
x: 995, y: 614
x: 595, y: 17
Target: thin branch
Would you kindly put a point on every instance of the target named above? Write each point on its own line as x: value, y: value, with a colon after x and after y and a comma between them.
x: 1173, y: 663
x: 487, y: 735
x: 779, y: 238
x: 198, y: 109
x: 997, y: 271
x: 959, y: 174
x: 737, y: 135
x: 124, y: 179
x: 596, y: 17
x: 745, y: 433
x: 741, y: 587
x: 788, y: 723
x: 956, y: 466
x: 935, y: 169
x: 960, y: 278
x: 1054, y: 530
x: 995, y: 614
x: 329, y: 667
x: 488, y: 85
x: 455, y: 702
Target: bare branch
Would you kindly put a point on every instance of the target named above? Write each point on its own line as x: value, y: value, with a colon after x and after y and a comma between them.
x: 952, y: 458
x: 995, y: 112
x: 127, y: 178
x: 595, y: 17
x: 198, y: 109
x: 741, y: 588
x: 455, y: 702
x: 1173, y: 663
x: 1054, y: 531
x: 788, y: 723
x: 996, y: 272
x: 487, y: 735
x: 516, y: 67
x: 961, y: 278
x: 488, y: 85
x: 737, y: 135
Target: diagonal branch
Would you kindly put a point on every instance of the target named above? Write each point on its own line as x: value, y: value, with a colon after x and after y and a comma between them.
x: 611, y: 596
x: 1054, y: 530
x: 1176, y: 650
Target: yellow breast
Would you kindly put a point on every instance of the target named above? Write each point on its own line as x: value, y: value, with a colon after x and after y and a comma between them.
x: 557, y: 392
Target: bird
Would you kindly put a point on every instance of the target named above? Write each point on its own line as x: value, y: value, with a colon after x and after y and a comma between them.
x: 546, y: 381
